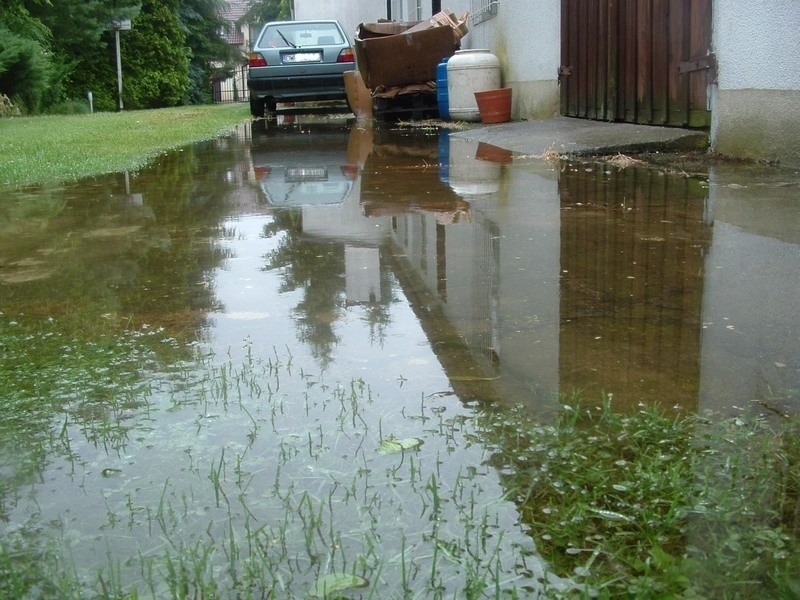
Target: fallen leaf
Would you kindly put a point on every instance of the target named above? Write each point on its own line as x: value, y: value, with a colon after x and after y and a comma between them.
x: 336, y: 582
x: 393, y: 445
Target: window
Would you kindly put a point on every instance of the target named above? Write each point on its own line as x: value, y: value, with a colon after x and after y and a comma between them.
x: 408, y: 10
x: 483, y: 10
x: 300, y: 34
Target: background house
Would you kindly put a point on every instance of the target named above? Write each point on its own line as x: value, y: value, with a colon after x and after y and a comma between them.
x: 352, y: 12
x: 725, y: 65
x: 234, y: 89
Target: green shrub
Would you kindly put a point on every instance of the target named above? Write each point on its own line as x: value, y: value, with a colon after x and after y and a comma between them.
x: 156, y: 58
x: 199, y: 90
x: 24, y: 71
x: 69, y: 107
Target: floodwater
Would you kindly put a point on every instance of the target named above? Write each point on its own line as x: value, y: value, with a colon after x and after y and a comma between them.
x: 220, y: 346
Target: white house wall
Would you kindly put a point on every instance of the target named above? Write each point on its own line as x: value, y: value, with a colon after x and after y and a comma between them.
x: 351, y: 13
x: 410, y: 10
x: 756, y: 105
x: 526, y: 37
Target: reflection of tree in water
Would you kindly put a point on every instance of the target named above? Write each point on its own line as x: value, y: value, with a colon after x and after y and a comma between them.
x: 376, y: 313
x: 317, y: 268
x: 190, y: 194
x: 98, y: 251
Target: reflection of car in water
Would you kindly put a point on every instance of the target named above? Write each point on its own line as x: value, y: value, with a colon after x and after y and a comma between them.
x: 303, y: 164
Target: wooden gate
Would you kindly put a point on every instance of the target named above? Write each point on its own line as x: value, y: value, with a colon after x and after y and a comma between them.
x: 639, y: 61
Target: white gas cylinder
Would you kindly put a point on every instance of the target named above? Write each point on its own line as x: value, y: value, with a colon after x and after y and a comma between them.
x: 470, y: 71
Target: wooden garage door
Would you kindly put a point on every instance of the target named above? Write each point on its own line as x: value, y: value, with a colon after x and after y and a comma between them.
x: 639, y: 61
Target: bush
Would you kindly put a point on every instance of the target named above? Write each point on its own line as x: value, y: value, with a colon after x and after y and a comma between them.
x: 199, y: 90
x: 156, y: 58
x: 24, y: 70
x: 69, y: 107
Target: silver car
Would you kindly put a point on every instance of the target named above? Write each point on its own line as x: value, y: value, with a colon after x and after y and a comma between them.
x: 298, y: 61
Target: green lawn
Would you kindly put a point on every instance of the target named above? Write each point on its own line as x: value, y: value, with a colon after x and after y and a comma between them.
x: 52, y: 149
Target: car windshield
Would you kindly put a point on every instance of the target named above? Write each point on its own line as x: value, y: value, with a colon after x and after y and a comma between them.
x: 297, y: 35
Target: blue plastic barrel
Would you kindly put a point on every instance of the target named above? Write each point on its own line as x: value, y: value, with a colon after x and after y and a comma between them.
x: 442, y: 96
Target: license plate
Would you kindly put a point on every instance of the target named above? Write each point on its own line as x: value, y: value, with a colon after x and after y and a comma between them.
x: 306, y: 174
x: 302, y: 57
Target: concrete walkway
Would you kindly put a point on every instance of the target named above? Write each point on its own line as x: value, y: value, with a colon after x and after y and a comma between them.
x: 584, y: 137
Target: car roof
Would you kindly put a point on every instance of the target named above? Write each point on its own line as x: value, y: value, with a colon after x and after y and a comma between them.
x: 302, y: 22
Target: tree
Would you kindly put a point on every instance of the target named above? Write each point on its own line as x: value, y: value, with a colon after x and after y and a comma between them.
x: 156, y: 57
x: 24, y: 51
x: 23, y: 70
x: 211, y: 56
x: 58, y: 50
x: 76, y: 25
x: 81, y: 45
x: 17, y: 18
x: 263, y: 11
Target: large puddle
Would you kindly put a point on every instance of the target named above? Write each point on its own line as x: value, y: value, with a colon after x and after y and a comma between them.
x: 275, y: 341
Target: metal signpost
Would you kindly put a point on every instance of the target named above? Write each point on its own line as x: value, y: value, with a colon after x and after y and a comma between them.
x: 118, y: 26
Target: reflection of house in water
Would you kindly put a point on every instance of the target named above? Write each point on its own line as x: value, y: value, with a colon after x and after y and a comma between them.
x: 362, y: 268
x: 394, y: 191
x: 632, y: 257
x: 401, y: 180
x: 528, y: 281
x: 751, y: 308
x: 453, y: 293
x: 598, y: 289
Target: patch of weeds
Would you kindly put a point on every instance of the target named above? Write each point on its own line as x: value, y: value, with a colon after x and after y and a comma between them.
x: 435, y: 124
x: 656, y: 505
x: 745, y: 516
x: 696, y: 162
x: 26, y: 572
x: 623, y: 160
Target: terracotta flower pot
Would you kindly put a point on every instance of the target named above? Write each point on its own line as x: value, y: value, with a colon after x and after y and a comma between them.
x: 494, y: 105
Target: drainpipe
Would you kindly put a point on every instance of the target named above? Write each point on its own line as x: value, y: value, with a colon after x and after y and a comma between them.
x: 389, y: 10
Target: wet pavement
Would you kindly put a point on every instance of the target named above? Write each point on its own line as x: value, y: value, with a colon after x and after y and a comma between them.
x: 584, y: 137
